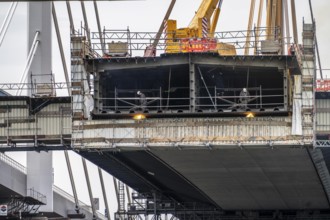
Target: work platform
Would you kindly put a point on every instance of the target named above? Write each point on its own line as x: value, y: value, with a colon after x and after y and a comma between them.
x: 190, y: 84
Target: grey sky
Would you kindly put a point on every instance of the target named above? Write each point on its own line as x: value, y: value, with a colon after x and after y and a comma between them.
x: 139, y: 16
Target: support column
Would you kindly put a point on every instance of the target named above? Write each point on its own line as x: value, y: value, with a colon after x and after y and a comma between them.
x: 285, y: 88
x: 40, y: 19
x: 192, y: 86
x: 39, y: 165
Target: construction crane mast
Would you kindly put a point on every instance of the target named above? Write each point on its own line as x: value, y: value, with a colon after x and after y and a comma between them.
x: 277, y: 24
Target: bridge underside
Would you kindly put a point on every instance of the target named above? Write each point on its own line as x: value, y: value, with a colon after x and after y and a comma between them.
x: 226, y: 178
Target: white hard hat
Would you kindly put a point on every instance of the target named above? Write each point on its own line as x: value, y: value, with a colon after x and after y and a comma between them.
x: 244, y: 90
x: 138, y: 92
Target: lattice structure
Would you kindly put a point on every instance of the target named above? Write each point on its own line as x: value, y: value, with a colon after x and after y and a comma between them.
x: 78, y: 52
x: 308, y: 76
x: 139, y: 41
x: 20, y: 206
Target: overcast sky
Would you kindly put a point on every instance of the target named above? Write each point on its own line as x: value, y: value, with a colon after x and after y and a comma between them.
x: 138, y: 16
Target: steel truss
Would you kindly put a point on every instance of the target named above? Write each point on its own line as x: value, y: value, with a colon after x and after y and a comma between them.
x: 157, y: 207
x: 322, y: 143
x: 26, y: 206
x: 27, y: 86
x: 137, y: 41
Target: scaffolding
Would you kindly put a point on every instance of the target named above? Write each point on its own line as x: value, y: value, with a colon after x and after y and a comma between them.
x: 148, y: 206
x: 26, y: 206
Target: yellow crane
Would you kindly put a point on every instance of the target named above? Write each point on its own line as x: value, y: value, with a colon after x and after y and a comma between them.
x: 199, y: 35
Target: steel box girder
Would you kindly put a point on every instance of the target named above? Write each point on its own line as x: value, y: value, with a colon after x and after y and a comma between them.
x: 280, y: 62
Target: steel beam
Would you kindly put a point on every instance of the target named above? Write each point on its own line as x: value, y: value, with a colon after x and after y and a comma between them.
x: 66, y: 0
x: 36, y: 149
x: 280, y: 62
x: 192, y: 86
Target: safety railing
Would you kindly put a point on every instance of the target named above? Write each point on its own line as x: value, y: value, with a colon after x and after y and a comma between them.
x: 322, y: 143
x: 68, y: 196
x: 36, y: 89
x: 36, y: 195
x: 13, y: 163
x: 210, y: 99
x: 124, y: 42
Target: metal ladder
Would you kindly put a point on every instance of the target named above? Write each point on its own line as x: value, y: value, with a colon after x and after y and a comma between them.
x: 77, y: 88
x: 121, y: 196
x: 308, y: 79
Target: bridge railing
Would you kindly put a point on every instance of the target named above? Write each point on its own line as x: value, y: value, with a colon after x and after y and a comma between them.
x: 68, y: 196
x: 210, y: 99
x: 13, y: 163
x: 37, y: 196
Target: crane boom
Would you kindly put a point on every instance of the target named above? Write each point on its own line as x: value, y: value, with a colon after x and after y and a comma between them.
x: 215, y: 18
x: 199, y: 35
x: 205, y: 10
x: 151, y: 50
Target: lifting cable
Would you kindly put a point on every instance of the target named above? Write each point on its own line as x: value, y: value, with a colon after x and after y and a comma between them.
x: 89, y: 188
x: 70, y: 17
x: 6, y: 22
x: 73, y: 186
x: 104, y: 193
x: 99, y: 26
x: 67, y: 158
x: 316, y: 44
x: 287, y: 23
x: 60, y: 45
x: 86, y: 22
x: 261, y: 5
x: 249, y: 29
x: 29, y: 60
x: 294, y: 21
